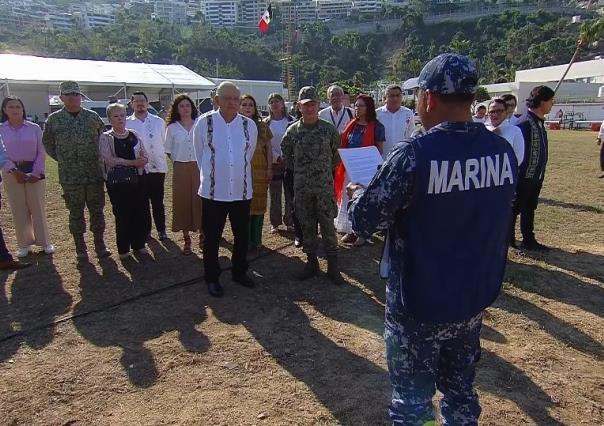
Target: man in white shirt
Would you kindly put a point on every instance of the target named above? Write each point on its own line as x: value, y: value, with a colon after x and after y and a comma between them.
x: 480, y: 116
x: 511, y: 103
x: 398, y: 120
x: 336, y: 114
x: 224, y: 143
x: 151, y: 129
x: 499, y: 125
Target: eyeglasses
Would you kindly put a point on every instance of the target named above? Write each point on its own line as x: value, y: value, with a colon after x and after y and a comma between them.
x: 496, y: 111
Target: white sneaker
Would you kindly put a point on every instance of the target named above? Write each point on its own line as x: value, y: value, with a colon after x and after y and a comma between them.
x: 274, y: 229
x: 49, y: 249
x: 23, y: 252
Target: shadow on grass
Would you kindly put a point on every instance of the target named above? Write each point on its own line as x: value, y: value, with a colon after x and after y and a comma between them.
x: 583, y: 263
x: 111, y: 314
x: 499, y: 377
x: 556, y: 327
x: 571, y: 206
x: 37, y: 300
x: 556, y: 285
x: 353, y: 388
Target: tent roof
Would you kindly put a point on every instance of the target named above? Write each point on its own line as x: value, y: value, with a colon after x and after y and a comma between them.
x: 37, y: 70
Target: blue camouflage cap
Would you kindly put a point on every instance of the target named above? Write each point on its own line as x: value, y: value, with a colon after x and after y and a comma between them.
x: 449, y: 74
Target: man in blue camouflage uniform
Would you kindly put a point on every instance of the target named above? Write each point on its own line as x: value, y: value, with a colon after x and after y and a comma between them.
x: 445, y: 198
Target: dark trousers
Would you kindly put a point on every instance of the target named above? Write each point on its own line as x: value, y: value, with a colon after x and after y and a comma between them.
x: 602, y: 155
x: 127, y: 205
x: 152, y: 187
x: 213, y: 219
x: 525, y: 204
x: 288, y: 188
x: 4, y: 253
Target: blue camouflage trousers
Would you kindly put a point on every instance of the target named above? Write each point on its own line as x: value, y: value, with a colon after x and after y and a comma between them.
x: 424, y: 356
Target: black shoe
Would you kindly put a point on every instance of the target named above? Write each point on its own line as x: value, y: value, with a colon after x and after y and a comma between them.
x: 311, y: 269
x: 533, y: 246
x: 162, y: 236
x: 513, y: 244
x: 333, y: 271
x: 8, y: 265
x: 215, y: 289
x: 245, y: 280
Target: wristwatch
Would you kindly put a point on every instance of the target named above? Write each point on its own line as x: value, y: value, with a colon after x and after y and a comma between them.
x: 13, y: 170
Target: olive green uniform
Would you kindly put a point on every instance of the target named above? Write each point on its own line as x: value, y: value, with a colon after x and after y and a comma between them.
x: 311, y: 152
x: 73, y: 142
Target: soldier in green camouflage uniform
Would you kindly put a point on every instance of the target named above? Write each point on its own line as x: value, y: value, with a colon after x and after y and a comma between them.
x: 71, y: 138
x: 310, y: 150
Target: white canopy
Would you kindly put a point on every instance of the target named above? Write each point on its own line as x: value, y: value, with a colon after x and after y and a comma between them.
x: 22, y: 69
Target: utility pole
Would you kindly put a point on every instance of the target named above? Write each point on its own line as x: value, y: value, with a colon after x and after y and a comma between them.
x: 287, y: 66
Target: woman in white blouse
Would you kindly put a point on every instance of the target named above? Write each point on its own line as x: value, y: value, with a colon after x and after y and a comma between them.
x: 122, y: 149
x: 278, y: 121
x: 186, y: 204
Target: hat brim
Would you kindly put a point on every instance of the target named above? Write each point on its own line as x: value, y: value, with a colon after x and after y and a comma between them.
x: 305, y: 101
x: 71, y: 92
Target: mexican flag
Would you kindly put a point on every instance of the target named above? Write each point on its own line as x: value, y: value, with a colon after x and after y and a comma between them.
x: 265, y: 20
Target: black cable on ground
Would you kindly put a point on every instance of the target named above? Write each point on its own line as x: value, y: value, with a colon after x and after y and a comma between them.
x: 128, y: 300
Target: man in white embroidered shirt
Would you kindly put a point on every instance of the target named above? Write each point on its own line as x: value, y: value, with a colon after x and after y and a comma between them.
x: 224, y: 143
x: 398, y: 120
x: 151, y: 129
x: 336, y: 114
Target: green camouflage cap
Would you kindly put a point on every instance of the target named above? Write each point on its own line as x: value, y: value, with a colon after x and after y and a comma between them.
x: 70, y: 88
x: 307, y: 94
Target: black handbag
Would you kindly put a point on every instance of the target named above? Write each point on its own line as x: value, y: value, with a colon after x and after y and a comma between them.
x: 122, y: 175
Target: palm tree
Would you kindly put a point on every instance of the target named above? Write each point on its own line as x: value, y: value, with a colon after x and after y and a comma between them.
x: 590, y: 33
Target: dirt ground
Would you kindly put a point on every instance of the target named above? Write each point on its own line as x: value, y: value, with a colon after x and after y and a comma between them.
x: 141, y: 342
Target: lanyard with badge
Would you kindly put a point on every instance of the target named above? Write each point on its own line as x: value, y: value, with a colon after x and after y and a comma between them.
x: 333, y: 120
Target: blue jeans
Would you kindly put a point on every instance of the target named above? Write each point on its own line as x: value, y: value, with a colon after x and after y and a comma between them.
x: 4, y: 253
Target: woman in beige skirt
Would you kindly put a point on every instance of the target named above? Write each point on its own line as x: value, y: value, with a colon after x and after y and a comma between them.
x: 186, y: 204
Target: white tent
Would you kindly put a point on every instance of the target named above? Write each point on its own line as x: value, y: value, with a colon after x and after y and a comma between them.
x: 21, y: 69
x: 35, y: 79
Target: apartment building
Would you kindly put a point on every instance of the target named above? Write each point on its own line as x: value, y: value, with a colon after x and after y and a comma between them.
x: 221, y: 13
x: 171, y: 11
x: 331, y: 9
x: 250, y: 11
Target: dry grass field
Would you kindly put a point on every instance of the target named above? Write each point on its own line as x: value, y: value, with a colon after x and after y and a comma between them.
x: 107, y: 343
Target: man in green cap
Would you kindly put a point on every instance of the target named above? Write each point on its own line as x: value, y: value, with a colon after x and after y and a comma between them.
x: 310, y: 150
x: 71, y: 137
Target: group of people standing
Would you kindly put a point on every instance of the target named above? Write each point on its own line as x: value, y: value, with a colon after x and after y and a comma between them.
x: 445, y: 198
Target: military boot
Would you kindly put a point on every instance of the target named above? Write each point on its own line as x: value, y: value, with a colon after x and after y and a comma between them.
x: 311, y: 268
x: 99, y: 246
x: 80, y: 246
x: 333, y: 270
